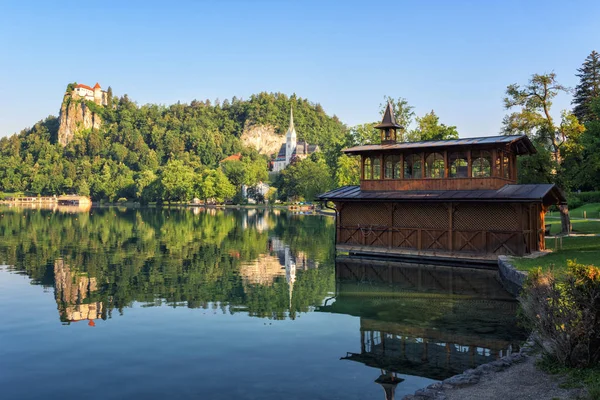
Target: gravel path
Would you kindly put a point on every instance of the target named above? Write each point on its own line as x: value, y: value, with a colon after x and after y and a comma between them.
x: 519, y: 382
x: 513, y: 377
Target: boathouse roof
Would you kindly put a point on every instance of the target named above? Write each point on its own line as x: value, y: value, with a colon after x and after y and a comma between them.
x: 546, y: 193
x: 519, y: 143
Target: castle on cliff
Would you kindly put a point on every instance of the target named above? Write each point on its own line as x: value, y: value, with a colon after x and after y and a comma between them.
x: 292, y: 149
x: 95, y: 94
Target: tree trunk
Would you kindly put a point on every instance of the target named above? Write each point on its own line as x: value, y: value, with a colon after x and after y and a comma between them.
x: 565, y: 220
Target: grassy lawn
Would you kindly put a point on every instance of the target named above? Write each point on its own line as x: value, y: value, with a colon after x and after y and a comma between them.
x: 586, y: 250
x: 575, y: 377
x: 579, y: 225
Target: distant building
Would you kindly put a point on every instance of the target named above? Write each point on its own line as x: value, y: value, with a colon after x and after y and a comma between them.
x: 292, y: 149
x: 233, y: 157
x: 95, y: 94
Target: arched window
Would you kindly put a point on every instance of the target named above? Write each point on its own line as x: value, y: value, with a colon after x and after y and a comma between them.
x: 481, y: 164
x: 412, y: 167
x: 389, y: 168
x: 368, y: 169
x: 434, y: 166
x: 392, y: 167
x: 459, y: 165
x: 506, y: 165
x: 397, y: 168
x: 377, y: 167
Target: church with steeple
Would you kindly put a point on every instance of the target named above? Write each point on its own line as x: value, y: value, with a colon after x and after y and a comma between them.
x: 292, y: 149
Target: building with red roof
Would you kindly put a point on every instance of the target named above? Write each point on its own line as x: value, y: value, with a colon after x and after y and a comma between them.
x: 95, y: 94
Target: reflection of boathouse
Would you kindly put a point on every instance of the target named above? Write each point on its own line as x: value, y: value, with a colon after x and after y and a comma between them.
x: 427, y: 321
x: 446, y: 198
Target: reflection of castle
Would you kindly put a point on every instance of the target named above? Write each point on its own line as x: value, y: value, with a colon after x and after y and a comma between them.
x: 72, y: 292
x: 424, y: 321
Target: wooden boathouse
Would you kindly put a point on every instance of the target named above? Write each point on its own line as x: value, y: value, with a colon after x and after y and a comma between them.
x: 444, y: 199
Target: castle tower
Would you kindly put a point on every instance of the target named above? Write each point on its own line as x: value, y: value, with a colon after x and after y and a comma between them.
x: 97, y: 93
x: 290, y: 139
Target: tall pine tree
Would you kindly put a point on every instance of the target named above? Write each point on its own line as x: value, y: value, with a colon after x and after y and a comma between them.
x: 588, y: 88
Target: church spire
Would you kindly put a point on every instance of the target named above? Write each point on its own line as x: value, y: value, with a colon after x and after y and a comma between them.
x: 291, y: 119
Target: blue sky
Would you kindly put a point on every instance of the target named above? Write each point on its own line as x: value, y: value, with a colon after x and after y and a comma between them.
x: 455, y: 57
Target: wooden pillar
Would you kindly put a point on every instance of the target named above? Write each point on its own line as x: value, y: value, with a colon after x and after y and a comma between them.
x: 362, y: 168
x: 494, y: 155
x: 446, y: 166
x: 520, y: 249
x: 391, y: 225
x: 469, y: 166
x: 542, y: 234
x: 450, y: 225
x: 422, y: 168
x: 362, y: 341
x: 401, y: 166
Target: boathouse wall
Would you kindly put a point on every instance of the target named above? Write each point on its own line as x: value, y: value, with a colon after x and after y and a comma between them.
x: 467, y: 227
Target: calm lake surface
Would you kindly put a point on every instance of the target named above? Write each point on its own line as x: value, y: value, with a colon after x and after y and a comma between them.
x: 219, y: 304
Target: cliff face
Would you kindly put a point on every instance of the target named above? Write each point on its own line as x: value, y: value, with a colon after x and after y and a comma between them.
x: 263, y: 138
x: 75, y: 117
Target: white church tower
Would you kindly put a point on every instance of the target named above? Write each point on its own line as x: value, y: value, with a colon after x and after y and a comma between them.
x: 290, y: 139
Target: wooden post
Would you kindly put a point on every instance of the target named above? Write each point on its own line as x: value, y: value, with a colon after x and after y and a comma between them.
x: 362, y: 341
x: 423, y: 165
x: 362, y: 168
x: 469, y: 166
x: 401, y: 166
x: 494, y: 159
x: 391, y: 225
x: 446, y: 166
x: 450, y: 225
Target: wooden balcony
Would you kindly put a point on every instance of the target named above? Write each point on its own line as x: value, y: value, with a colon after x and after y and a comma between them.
x: 427, y: 184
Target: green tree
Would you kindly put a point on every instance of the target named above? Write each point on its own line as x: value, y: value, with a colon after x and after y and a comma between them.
x: 534, y: 103
x: 347, y: 171
x: 588, y: 88
x: 83, y: 189
x: 429, y: 128
x: 305, y: 179
x: 178, y: 181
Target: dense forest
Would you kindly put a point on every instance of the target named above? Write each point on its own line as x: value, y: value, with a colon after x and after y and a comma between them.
x: 172, y: 153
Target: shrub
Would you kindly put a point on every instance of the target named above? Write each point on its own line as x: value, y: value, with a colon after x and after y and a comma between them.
x: 122, y: 200
x: 565, y: 313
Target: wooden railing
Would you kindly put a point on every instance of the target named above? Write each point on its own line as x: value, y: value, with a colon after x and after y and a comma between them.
x: 421, y: 239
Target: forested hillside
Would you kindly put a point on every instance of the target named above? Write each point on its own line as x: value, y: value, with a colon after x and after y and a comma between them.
x: 156, y: 152
x: 173, y: 153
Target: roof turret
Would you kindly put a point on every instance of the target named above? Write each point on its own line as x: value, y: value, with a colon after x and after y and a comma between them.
x: 389, y: 120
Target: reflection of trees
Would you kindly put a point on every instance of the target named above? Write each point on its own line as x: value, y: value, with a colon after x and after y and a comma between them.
x: 169, y: 254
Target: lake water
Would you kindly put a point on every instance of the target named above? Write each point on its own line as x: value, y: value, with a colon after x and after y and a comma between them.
x: 118, y: 303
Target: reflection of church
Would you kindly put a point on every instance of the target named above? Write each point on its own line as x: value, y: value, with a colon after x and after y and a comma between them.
x: 279, y: 261
x: 73, y: 292
x: 429, y: 322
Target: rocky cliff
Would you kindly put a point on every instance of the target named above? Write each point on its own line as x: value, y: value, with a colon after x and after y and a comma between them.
x: 75, y: 116
x: 263, y: 138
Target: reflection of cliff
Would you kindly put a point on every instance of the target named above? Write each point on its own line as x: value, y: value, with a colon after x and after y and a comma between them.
x: 72, y: 292
x: 262, y: 271
x: 428, y: 321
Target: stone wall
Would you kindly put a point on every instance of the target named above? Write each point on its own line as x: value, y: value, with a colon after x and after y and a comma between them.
x: 511, y: 278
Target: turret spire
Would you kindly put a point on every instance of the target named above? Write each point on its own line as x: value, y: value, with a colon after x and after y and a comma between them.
x: 388, y: 125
